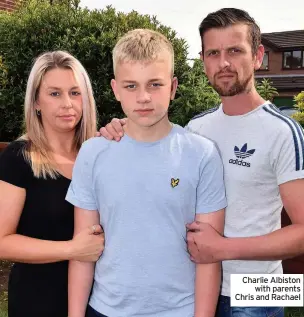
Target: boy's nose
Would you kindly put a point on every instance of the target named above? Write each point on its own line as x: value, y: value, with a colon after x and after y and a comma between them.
x: 143, y: 97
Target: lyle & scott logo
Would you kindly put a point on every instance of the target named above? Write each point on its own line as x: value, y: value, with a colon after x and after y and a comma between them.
x: 174, y: 182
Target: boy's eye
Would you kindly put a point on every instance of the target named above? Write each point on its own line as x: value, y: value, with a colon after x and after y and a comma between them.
x: 131, y: 86
x: 54, y: 94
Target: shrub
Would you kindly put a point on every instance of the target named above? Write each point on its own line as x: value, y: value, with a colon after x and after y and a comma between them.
x: 38, y: 26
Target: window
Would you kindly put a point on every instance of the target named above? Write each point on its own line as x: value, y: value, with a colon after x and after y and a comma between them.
x: 287, y: 60
x: 296, y: 59
x: 265, y: 63
x: 293, y: 60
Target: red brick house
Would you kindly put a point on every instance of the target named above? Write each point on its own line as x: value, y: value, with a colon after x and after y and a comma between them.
x: 283, y: 64
x: 7, y: 5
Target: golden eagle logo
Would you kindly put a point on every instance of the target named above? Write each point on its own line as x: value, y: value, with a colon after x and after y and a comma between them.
x: 174, y: 182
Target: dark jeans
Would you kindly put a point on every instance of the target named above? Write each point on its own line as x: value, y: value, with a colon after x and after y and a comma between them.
x: 93, y: 313
x: 225, y: 310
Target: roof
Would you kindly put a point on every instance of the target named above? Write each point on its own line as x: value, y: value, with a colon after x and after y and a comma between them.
x: 284, y: 82
x: 284, y: 40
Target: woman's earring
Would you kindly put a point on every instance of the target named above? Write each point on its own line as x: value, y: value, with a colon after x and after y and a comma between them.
x: 38, y: 112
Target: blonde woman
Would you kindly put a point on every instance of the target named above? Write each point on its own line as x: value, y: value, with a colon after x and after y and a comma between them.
x: 36, y: 223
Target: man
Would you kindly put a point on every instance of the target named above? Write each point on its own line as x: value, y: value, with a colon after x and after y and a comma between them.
x: 262, y: 153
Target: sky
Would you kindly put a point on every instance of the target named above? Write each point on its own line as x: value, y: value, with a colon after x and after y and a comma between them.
x: 185, y: 16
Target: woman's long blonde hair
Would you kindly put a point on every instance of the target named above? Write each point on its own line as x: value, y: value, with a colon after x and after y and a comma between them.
x: 37, y: 151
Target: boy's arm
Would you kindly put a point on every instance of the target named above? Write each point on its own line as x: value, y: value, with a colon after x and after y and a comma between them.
x: 81, y: 273
x: 81, y: 194
x: 210, y: 204
x: 208, y: 276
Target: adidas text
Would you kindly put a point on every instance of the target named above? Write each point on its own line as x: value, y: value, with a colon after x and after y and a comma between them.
x: 239, y: 162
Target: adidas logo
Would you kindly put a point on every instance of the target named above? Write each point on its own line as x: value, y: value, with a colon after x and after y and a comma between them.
x: 241, y: 154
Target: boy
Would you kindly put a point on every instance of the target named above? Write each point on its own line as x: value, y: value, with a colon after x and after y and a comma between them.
x: 144, y: 190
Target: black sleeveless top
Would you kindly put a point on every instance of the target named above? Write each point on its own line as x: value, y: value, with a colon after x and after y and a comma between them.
x: 38, y: 289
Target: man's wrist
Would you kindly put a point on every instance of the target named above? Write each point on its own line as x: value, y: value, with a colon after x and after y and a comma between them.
x: 228, y: 250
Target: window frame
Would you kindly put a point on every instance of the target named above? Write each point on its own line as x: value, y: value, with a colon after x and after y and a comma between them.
x: 267, y: 68
x: 291, y: 66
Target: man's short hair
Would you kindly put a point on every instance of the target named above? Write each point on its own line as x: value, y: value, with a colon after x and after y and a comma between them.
x: 231, y: 16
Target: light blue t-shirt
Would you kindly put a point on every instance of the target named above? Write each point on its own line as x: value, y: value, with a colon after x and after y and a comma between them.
x: 146, y: 193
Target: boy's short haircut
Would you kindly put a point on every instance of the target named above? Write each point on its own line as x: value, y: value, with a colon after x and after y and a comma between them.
x: 142, y: 45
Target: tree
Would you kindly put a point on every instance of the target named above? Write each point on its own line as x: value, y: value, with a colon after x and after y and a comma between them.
x: 299, y: 115
x: 266, y: 90
x: 195, y: 95
x: 37, y: 26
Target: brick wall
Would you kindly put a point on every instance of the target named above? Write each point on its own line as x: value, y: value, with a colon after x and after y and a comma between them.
x: 3, y: 145
x: 294, y: 265
x: 7, y: 5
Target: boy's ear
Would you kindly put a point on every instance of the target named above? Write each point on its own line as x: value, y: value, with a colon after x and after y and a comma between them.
x: 174, y: 85
x: 114, y: 88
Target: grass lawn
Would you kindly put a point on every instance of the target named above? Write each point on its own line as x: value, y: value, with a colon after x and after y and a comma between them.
x: 3, y: 303
x: 4, y: 271
x: 3, y: 310
x: 3, y: 313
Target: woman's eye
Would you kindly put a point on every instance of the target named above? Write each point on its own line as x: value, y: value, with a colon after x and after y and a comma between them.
x: 76, y: 93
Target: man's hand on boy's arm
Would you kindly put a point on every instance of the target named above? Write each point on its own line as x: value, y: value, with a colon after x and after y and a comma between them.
x: 206, y: 244
x: 113, y: 130
x: 81, y: 273
x: 209, y: 246
x: 208, y: 276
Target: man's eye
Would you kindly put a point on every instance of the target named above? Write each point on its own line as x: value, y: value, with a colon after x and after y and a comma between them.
x: 212, y: 53
x: 234, y: 50
x: 156, y: 85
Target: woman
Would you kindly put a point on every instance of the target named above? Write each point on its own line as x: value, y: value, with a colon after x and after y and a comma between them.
x: 36, y: 223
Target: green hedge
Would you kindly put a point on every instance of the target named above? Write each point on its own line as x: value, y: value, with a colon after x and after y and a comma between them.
x: 89, y: 35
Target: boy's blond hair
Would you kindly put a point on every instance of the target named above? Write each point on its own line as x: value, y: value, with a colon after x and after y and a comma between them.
x: 142, y: 45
